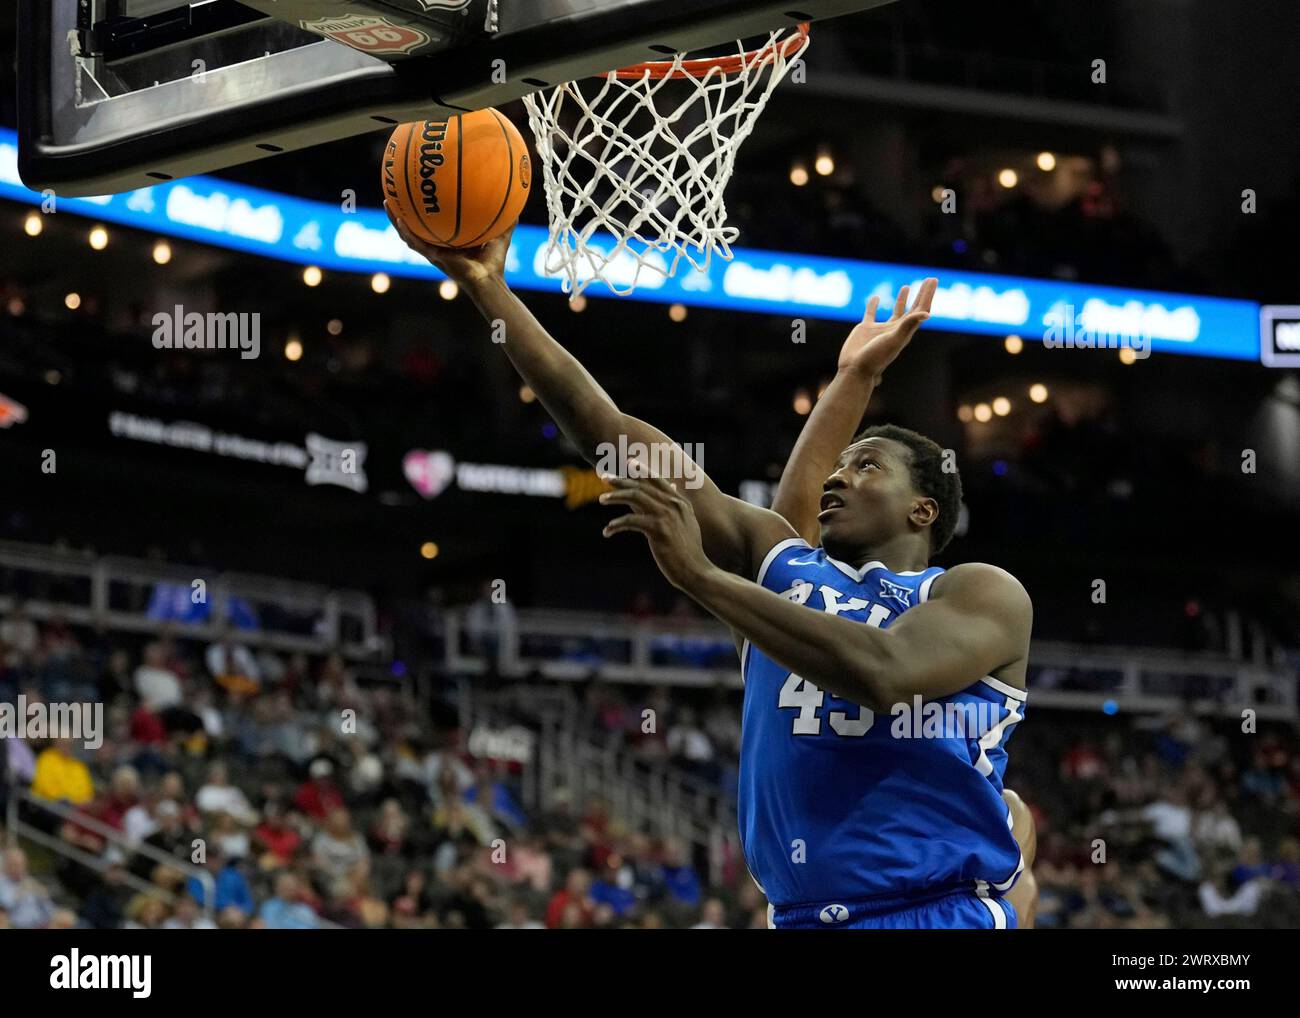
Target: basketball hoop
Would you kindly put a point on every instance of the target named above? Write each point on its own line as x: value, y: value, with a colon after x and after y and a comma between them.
x: 635, y: 162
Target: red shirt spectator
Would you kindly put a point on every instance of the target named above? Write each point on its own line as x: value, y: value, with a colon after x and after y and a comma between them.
x: 574, y: 893
x: 319, y: 797
x: 147, y: 727
x: 278, y: 838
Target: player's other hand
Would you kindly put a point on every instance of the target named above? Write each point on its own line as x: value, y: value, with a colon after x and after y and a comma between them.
x: 465, y: 265
x: 658, y: 510
x: 872, y: 346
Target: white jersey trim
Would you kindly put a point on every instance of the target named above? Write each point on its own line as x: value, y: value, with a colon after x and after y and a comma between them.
x: 856, y: 575
x: 1019, y: 694
x: 995, y: 909
x: 776, y: 550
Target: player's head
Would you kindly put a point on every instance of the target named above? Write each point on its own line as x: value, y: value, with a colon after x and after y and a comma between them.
x: 890, y: 482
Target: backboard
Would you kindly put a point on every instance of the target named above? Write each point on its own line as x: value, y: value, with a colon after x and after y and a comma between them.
x: 120, y: 94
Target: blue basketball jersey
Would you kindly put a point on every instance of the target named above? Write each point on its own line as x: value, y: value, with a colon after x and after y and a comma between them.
x: 838, y: 805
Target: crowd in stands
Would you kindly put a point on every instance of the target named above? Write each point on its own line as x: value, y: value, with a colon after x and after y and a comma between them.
x: 1153, y: 821
x: 240, y: 788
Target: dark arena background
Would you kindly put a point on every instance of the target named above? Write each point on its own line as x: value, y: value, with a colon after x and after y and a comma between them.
x: 346, y: 604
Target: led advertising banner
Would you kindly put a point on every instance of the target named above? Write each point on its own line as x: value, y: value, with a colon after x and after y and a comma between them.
x: 216, y: 212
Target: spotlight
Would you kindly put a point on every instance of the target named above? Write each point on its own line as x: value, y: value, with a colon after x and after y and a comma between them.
x: 1127, y: 355
x: 335, y: 327
x: 1002, y: 406
x: 448, y: 289
x: 825, y: 164
x: 798, y: 175
x: 380, y: 282
x: 1013, y: 344
x: 162, y: 252
x: 72, y: 301
x: 293, y: 349
x: 677, y: 312
x: 99, y: 238
x: 312, y: 276
x: 802, y: 403
x: 1046, y: 162
x: 983, y: 413
x: 526, y: 394
x: 34, y: 224
x: 1008, y: 178
x: 429, y: 550
x: 965, y: 414
x: 578, y: 304
x: 1038, y: 392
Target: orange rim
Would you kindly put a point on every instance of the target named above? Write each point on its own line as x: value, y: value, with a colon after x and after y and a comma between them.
x: 727, y: 65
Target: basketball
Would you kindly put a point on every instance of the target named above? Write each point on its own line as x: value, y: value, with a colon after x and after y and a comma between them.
x: 458, y: 182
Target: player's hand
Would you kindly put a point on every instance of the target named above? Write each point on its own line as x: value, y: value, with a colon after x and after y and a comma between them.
x: 659, y: 511
x: 465, y: 265
x: 872, y: 346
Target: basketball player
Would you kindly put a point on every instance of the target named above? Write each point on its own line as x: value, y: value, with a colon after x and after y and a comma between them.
x: 829, y: 428
x: 843, y: 823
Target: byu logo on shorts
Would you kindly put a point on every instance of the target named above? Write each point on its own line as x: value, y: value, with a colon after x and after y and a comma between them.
x: 832, y: 914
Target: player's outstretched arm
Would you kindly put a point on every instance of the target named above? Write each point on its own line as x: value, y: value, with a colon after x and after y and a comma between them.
x: 870, y: 348
x: 976, y: 622
x: 736, y: 534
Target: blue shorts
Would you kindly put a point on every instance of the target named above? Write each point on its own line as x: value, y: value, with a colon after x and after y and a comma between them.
x: 952, y: 910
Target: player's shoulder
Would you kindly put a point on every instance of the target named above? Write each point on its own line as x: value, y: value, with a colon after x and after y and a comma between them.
x: 989, y: 583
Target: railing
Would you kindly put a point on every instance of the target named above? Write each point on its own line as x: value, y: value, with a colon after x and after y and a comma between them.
x: 18, y: 827
x: 579, y: 645
x: 569, y: 756
x: 117, y: 592
x: 129, y: 847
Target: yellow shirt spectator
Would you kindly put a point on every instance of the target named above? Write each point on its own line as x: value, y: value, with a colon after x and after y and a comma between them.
x: 62, y: 777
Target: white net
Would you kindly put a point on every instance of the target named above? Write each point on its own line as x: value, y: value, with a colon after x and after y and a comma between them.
x: 635, y: 163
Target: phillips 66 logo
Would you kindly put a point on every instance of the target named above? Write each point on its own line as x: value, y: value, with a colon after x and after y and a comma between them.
x: 370, y: 35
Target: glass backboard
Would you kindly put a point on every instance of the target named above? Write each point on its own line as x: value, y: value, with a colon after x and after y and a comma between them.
x: 120, y: 94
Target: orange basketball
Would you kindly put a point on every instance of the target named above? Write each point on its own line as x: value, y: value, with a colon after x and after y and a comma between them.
x: 458, y: 182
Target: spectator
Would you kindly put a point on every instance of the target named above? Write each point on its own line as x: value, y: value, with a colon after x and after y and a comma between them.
x: 338, y: 852
x: 275, y: 838
x: 23, y: 899
x: 712, y: 917
x: 520, y: 919
x: 679, y: 876
x: 105, y: 906
x: 286, y: 909
x: 319, y: 796
x: 1171, y: 823
x: 571, y: 907
x: 231, y: 890
x: 1217, y: 900
x: 232, y: 666
x: 61, y: 777
x: 1250, y: 865
x: 171, y: 839
x: 220, y: 796
x: 187, y: 916
x: 157, y: 685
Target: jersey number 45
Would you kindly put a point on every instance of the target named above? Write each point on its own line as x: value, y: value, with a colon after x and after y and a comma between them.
x: 799, y: 694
